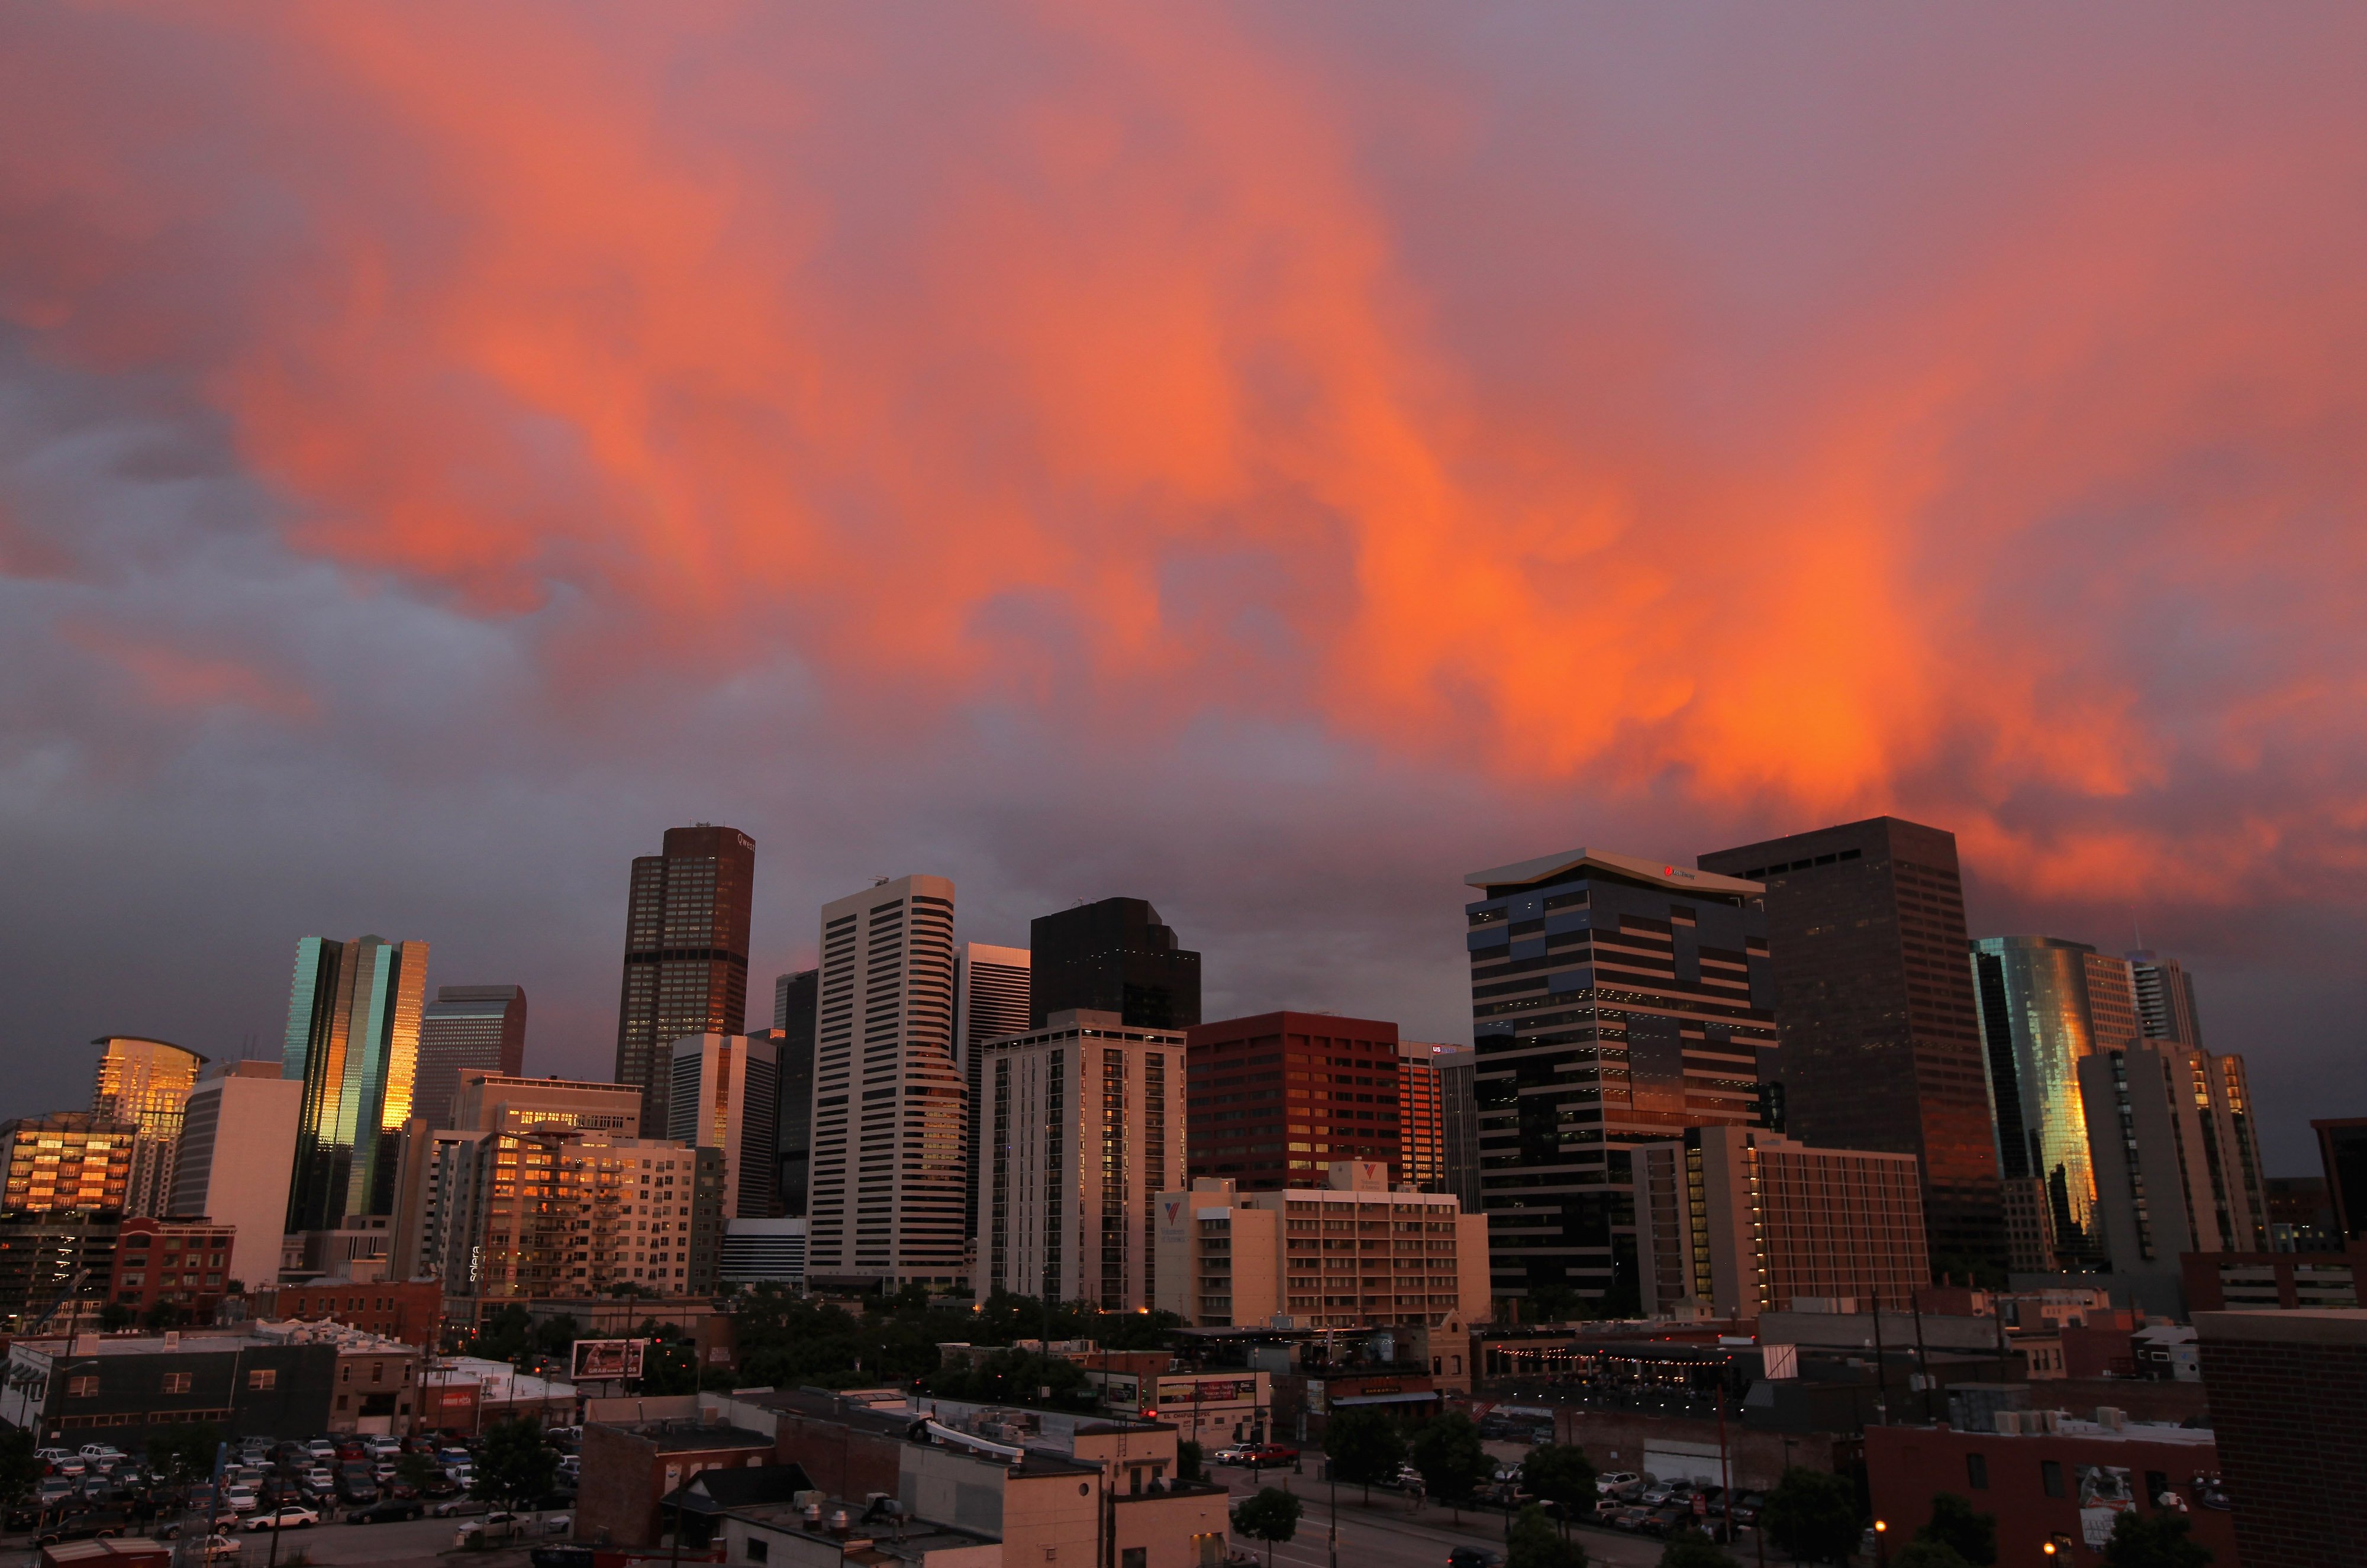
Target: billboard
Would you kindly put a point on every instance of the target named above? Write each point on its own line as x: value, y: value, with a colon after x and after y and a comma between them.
x: 602, y: 1360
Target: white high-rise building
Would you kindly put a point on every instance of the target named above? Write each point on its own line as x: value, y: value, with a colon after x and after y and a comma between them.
x: 1084, y: 1129
x: 886, y: 1189
x: 990, y: 1000
x: 722, y: 1097
x: 237, y: 1157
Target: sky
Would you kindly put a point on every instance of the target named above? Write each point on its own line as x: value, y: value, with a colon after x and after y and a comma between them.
x: 1267, y: 460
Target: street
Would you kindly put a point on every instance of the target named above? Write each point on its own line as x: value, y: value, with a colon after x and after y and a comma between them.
x: 1387, y: 1533
x: 417, y: 1543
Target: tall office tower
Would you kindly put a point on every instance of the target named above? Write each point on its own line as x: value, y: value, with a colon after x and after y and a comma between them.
x: 237, y: 1159
x: 431, y: 1190
x: 990, y: 1000
x: 1614, y: 1001
x: 1112, y: 956
x: 466, y: 1026
x: 725, y: 1096
x: 1739, y: 1220
x: 2165, y: 998
x: 1277, y: 1097
x: 796, y: 999
x: 2342, y: 1147
x: 431, y: 1231
x: 494, y: 1102
x: 1458, y: 1110
x: 1881, y: 1037
x: 2044, y: 1003
x: 685, y: 952
x: 884, y: 1196
x: 65, y: 1161
x: 1421, y: 1115
x: 1086, y: 1131
x: 353, y: 1041
x: 2167, y: 1162
x: 147, y: 1082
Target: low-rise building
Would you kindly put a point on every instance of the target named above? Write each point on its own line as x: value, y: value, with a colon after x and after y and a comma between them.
x: 407, y: 1310
x: 1351, y: 1255
x: 2285, y: 1390
x: 2240, y: 1281
x: 2055, y: 1480
x: 630, y: 1469
x: 181, y: 1262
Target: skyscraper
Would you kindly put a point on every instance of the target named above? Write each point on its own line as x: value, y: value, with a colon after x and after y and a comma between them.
x: 1458, y: 1113
x: 990, y: 1000
x: 466, y: 1026
x: 1275, y: 1099
x: 1112, y: 956
x: 886, y: 1191
x: 796, y: 1001
x: 2167, y: 1159
x: 352, y: 1040
x: 2165, y: 999
x: 724, y: 1096
x: 2044, y: 1004
x: 1614, y: 1001
x: 237, y: 1157
x: 147, y: 1082
x: 685, y: 952
x: 1086, y: 1128
x: 68, y: 1160
x: 1880, y: 1039
x: 1422, y: 1115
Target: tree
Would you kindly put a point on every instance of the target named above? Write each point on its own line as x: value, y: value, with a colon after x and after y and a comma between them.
x: 1271, y: 1516
x: 505, y: 1335
x: 1812, y: 1515
x: 1956, y: 1524
x: 1447, y: 1452
x: 516, y: 1466
x: 554, y: 1337
x: 114, y: 1317
x: 1364, y: 1446
x: 19, y: 1471
x: 168, y: 1314
x: 1691, y: 1549
x: 1534, y: 1542
x: 180, y: 1451
x: 416, y: 1470
x: 2156, y: 1540
x: 1925, y: 1553
x: 1561, y: 1473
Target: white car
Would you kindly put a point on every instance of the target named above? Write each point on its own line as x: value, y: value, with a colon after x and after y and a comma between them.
x: 557, y: 1524
x: 285, y: 1518
x: 240, y: 1499
x: 221, y: 1548
x: 319, y: 1479
x: 102, y: 1453
x: 497, y: 1526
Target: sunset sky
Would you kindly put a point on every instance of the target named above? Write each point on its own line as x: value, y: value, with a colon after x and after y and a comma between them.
x: 1268, y: 461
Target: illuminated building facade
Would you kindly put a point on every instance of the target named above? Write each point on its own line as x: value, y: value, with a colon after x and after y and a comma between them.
x: 1614, y: 1002
x: 66, y: 1161
x: 559, y: 1211
x: 685, y: 952
x: 1084, y: 1128
x: 237, y: 1160
x: 147, y: 1082
x: 1421, y: 1123
x: 885, y: 1193
x: 723, y: 1097
x: 1881, y: 1035
x: 1275, y: 1097
x: 990, y: 1000
x: 352, y: 1042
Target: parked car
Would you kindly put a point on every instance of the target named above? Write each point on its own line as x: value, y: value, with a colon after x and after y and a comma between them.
x: 101, y: 1453
x: 240, y: 1499
x: 386, y: 1512
x: 97, y: 1524
x: 283, y: 1518
x: 561, y: 1557
x: 1611, y: 1481
x: 1267, y: 1455
x: 221, y: 1548
x: 318, y: 1478
x: 454, y: 1506
x: 500, y: 1525
x: 64, y: 1462
x: 1237, y: 1454
x: 1474, y: 1557
x: 1631, y: 1517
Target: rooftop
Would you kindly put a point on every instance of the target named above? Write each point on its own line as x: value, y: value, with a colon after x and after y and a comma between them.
x: 1564, y: 866
x: 688, y: 1436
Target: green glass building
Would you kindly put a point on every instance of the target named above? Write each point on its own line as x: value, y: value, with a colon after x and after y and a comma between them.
x: 353, y: 1039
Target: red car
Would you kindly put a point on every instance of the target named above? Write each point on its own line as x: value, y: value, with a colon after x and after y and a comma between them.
x: 1265, y: 1455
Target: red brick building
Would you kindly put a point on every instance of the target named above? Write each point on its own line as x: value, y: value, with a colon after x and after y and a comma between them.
x: 409, y: 1311
x: 629, y: 1470
x: 2067, y: 1487
x: 1271, y: 1100
x: 180, y: 1261
x: 2286, y: 1391
x: 2232, y: 1281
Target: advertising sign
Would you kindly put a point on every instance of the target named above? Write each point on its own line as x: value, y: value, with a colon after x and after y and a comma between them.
x: 2104, y: 1495
x: 604, y: 1361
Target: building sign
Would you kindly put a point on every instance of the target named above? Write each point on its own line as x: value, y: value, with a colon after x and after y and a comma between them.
x: 598, y: 1360
x: 2104, y: 1495
x: 1205, y: 1390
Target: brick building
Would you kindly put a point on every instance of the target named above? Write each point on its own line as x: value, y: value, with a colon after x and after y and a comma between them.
x: 1271, y: 1099
x: 630, y: 1469
x: 408, y: 1311
x: 177, y: 1262
x: 2285, y: 1391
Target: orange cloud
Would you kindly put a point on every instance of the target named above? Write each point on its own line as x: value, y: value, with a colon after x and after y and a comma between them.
x: 1088, y: 344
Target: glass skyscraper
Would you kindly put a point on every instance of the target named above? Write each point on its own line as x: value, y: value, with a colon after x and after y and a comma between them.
x: 147, y: 1082
x: 1615, y: 1002
x: 353, y: 1039
x: 464, y: 1027
x: 685, y: 952
x: 1115, y: 956
x: 2044, y: 1005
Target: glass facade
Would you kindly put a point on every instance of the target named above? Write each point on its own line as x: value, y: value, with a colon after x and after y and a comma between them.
x: 352, y: 1040
x: 685, y: 952
x: 1615, y: 1002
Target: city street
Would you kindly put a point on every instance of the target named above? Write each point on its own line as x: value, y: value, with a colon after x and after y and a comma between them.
x: 1388, y: 1534
x: 414, y: 1544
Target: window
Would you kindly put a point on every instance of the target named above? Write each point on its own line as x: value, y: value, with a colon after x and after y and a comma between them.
x: 176, y: 1383
x: 1133, y: 1557
x: 84, y: 1387
x: 2050, y: 1476
x: 263, y: 1377
x: 1977, y: 1471
x: 756, y: 1549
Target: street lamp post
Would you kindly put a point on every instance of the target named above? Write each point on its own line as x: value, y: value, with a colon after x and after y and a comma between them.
x: 1881, y: 1542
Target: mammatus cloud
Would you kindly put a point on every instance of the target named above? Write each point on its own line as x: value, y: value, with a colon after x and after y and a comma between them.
x: 1443, y: 392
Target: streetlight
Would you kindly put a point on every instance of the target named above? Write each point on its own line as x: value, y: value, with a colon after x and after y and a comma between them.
x: 1881, y: 1538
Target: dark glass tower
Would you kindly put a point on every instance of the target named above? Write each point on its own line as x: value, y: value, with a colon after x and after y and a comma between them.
x: 685, y: 952
x: 466, y: 1026
x: 1114, y: 956
x: 1615, y: 1002
x: 796, y: 999
x: 1881, y: 1037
